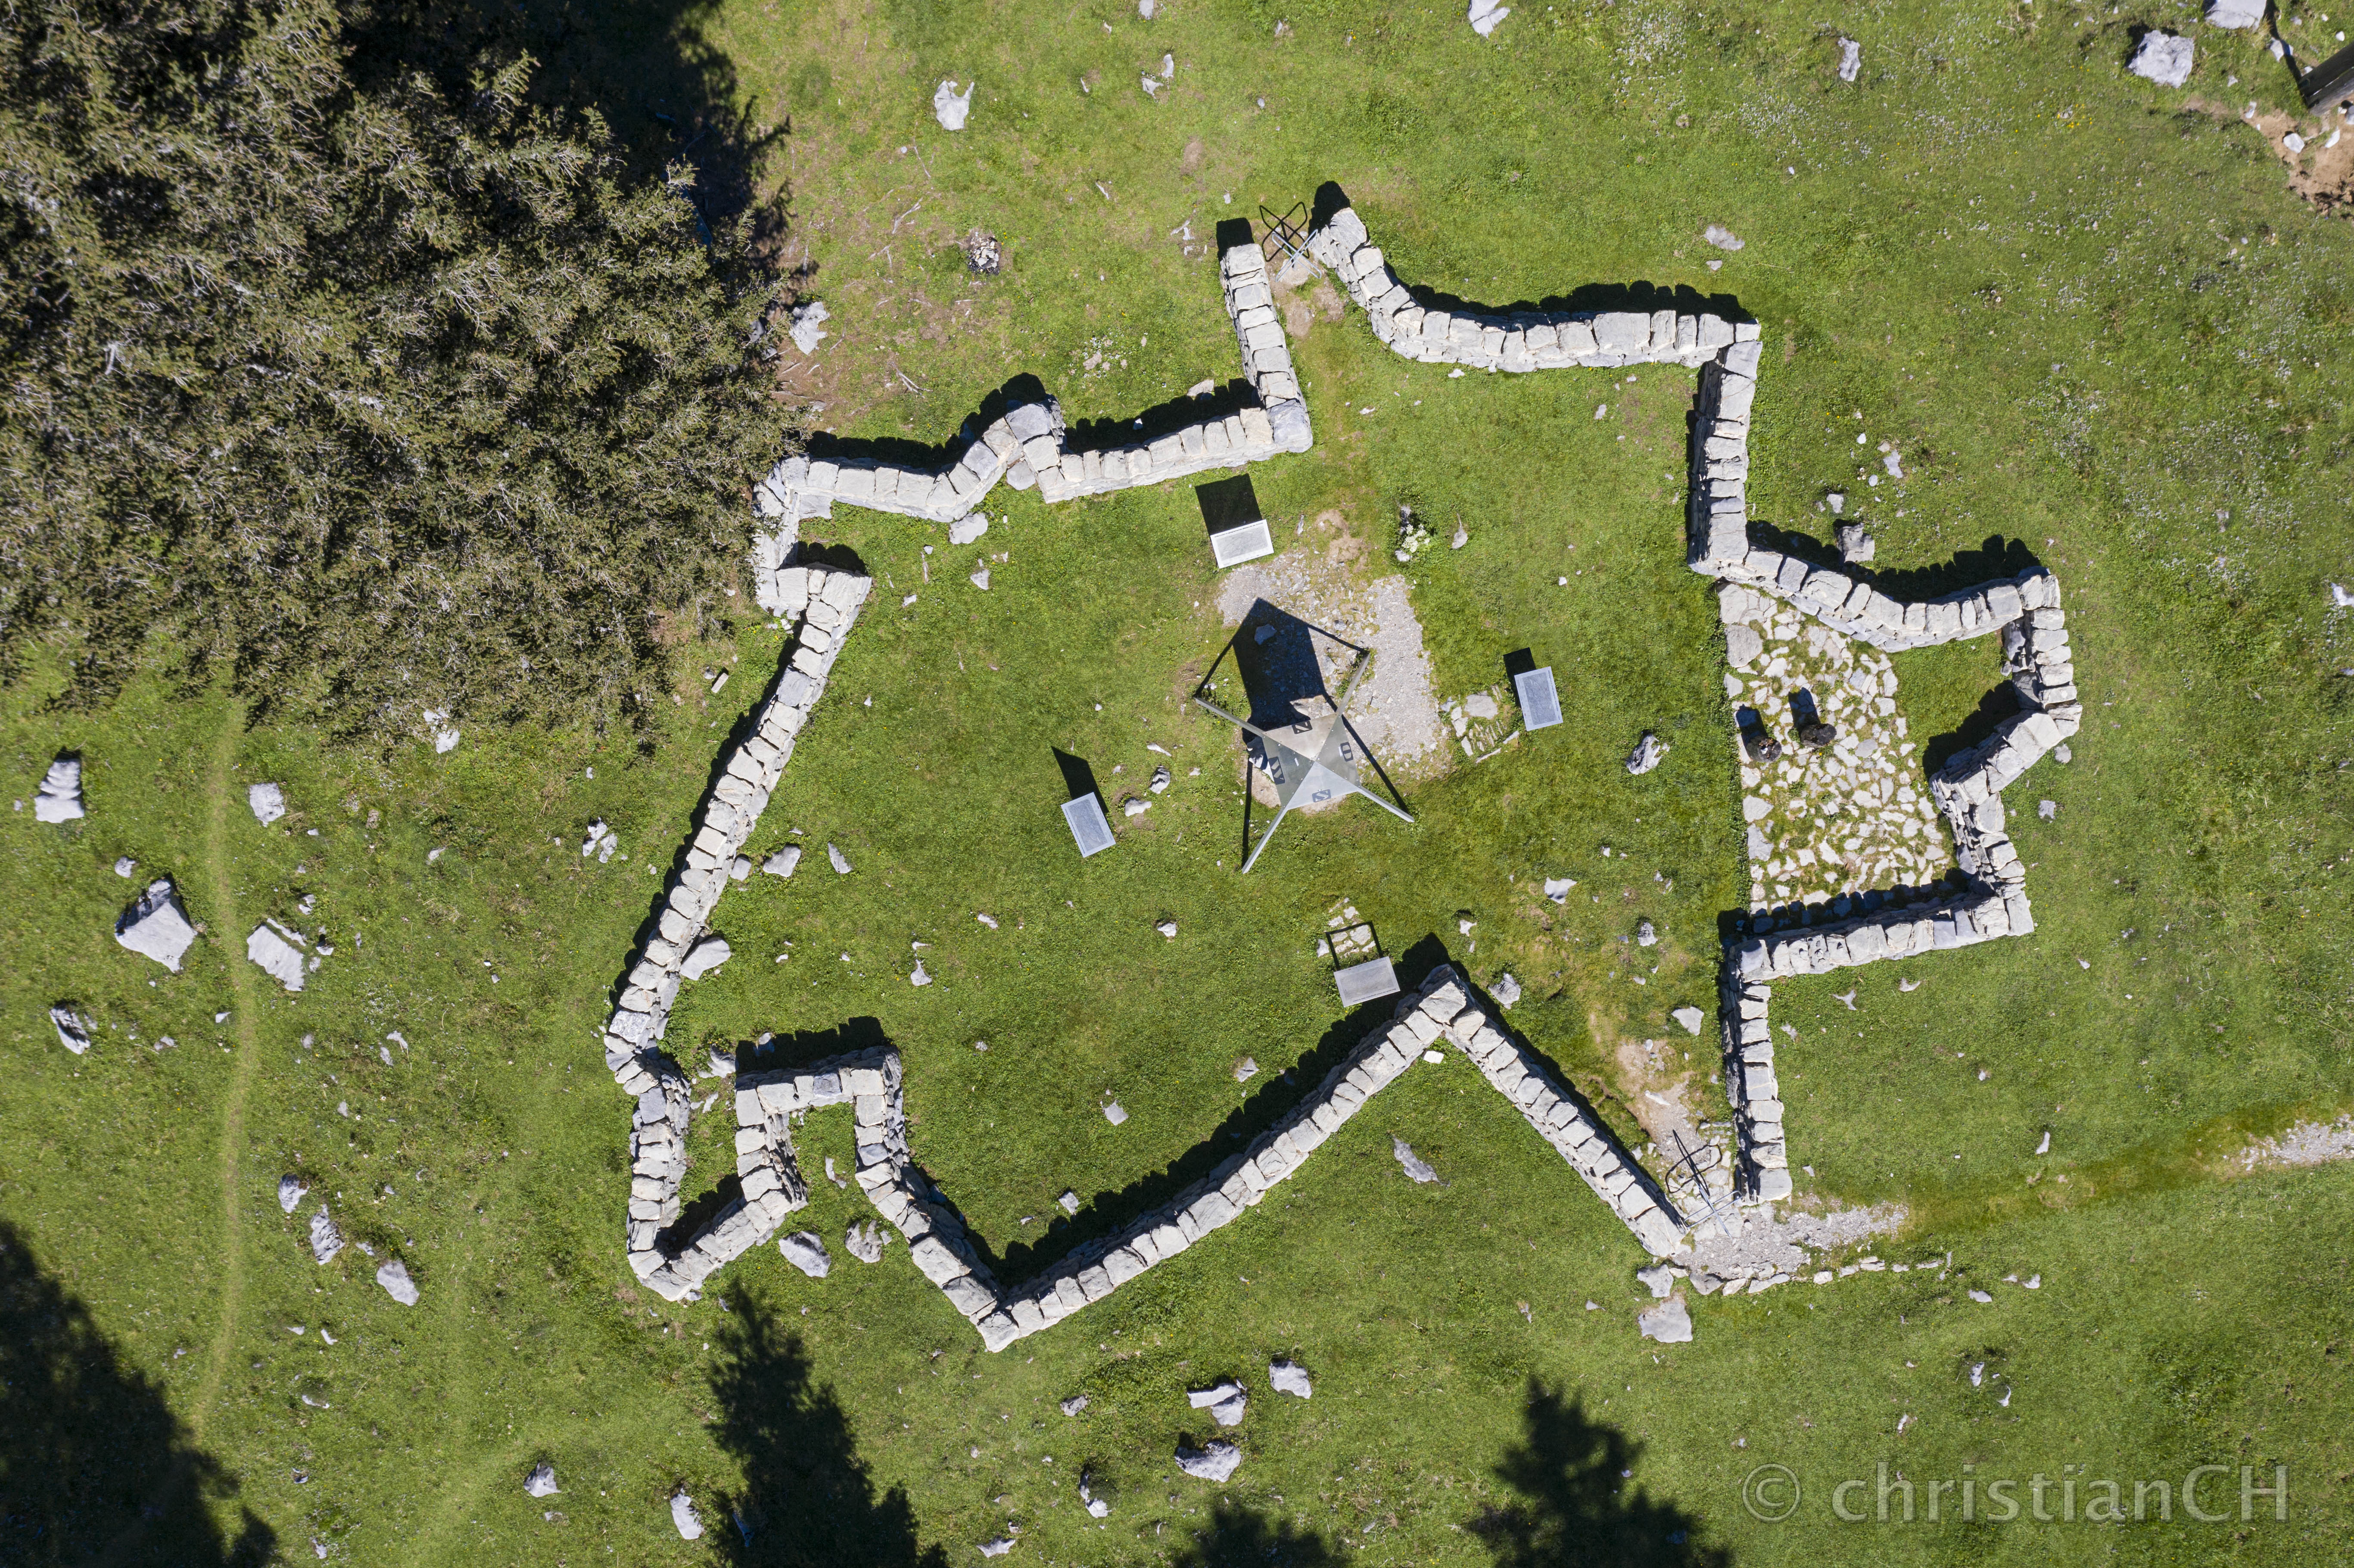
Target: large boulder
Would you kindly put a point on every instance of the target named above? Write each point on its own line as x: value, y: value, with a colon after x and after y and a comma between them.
x: 2163, y: 58
x: 156, y: 926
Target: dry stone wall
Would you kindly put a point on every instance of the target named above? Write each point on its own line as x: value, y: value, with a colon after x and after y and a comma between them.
x: 1030, y: 446
x: 825, y: 604
x: 768, y: 1106
x: 1513, y: 340
x: 1888, y: 923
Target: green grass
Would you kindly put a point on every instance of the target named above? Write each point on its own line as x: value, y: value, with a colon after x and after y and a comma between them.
x: 2094, y: 396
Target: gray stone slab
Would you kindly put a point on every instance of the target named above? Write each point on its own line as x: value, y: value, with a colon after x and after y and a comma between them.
x: 1368, y: 981
x: 1089, y: 828
x: 1540, y: 703
x: 1247, y: 542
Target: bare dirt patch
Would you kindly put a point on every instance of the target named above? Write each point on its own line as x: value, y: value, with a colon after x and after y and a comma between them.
x: 2319, y: 173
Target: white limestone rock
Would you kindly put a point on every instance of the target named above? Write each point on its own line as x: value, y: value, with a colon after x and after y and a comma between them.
x: 839, y: 861
x: 809, y: 325
x: 1851, y: 59
x: 968, y: 528
x: 805, y: 1252
x: 784, y: 862
x: 1074, y: 1404
x: 2164, y: 59
x: 1417, y: 1169
x: 950, y: 107
x: 1658, y: 1279
x: 1690, y: 1017
x: 1486, y: 15
x: 1648, y: 753
x: 290, y: 1192
x: 2235, y: 14
x: 59, y: 799
x: 278, y: 958
x: 73, y: 1029
x: 1668, y: 1323
x: 1557, y: 888
x: 682, y: 1516
x: 864, y: 1241
x: 1506, y: 990
x: 156, y: 927
x: 266, y: 802
x: 1225, y: 1400
x: 394, y: 1277
x: 1288, y: 1377
x: 541, y: 1482
x: 704, y: 956
x: 1214, y: 1461
x: 326, y: 1241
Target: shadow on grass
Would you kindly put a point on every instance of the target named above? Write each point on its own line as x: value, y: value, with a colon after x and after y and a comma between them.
x: 1237, y: 1538
x: 1576, y: 1506
x: 94, y: 1466
x: 808, y: 1496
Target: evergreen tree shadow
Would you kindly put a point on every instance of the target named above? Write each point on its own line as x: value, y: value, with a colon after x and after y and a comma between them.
x: 808, y: 1497
x: 94, y: 1465
x: 1577, y: 1508
x: 1237, y: 1538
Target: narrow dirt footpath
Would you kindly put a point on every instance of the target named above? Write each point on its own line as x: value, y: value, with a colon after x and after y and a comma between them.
x: 227, y: 923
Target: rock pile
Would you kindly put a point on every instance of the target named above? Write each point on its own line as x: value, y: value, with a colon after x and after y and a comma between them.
x: 59, y: 799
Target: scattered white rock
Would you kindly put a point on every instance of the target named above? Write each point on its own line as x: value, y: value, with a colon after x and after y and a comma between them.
x: 921, y: 977
x: 841, y: 862
x: 2163, y: 58
x: 2047, y: 809
x: 1462, y: 538
x: 1486, y: 15
x: 1850, y: 58
x: 290, y: 1192
x: 2044, y: 1147
x: 1669, y: 1322
x: 59, y: 799
x: 1856, y: 545
x: 156, y: 927
x: 394, y: 1277
x: 2235, y: 14
x: 266, y: 802
x: 278, y: 958
x: 1690, y: 1017
x: 1506, y: 990
x: 1659, y: 1278
x: 1648, y: 753
x: 808, y: 329
x: 1288, y: 1377
x: 968, y: 528
x: 1245, y: 1069
x: 1414, y: 1165
x: 805, y: 1252
x: 1646, y: 934
x: 1214, y: 1461
x: 864, y: 1241
x: 683, y: 1515
x: 988, y: 920
x: 784, y: 862
x: 1723, y: 238
x: 1135, y: 806
x: 1981, y: 1297
x: 73, y: 1029
x: 541, y: 1482
x: 1161, y: 779
x: 1114, y: 1112
x: 1167, y: 928
x: 600, y: 841
x: 326, y: 1241
x: 1069, y: 1202
x: 1557, y: 888
x: 704, y: 956
x: 1074, y: 1404
x: 445, y: 737
x: 951, y: 107
x: 1225, y: 1400
x: 997, y: 1548
x: 1433, y: 1056
x: 980, y: 579
x: 124, y: 867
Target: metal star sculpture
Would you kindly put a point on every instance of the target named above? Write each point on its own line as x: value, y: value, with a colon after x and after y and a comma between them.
x: 1314, y: 759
